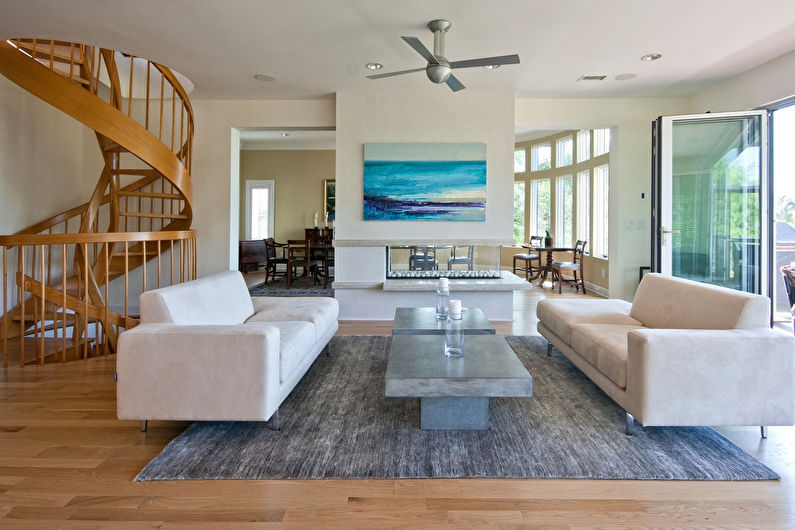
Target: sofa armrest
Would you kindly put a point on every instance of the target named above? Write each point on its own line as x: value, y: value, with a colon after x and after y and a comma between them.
x: 710, y: 377
x: 176, y: 372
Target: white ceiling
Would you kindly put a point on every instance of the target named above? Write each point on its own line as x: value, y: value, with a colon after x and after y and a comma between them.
x: 318, y: 47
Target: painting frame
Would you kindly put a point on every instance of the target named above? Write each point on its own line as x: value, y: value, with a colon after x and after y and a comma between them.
x: 424, y: 182
x: 330, y: 199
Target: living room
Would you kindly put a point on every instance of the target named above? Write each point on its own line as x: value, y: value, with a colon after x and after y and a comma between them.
x: 67, y: 454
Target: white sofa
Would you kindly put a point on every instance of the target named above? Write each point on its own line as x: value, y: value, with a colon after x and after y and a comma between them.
x: 683, y: 353
x: 205, y: 350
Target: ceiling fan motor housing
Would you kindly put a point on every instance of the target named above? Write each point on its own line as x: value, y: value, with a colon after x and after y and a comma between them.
x: 438, y: 73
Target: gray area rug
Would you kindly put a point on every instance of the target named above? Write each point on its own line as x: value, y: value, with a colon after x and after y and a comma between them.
x: 338, y: 424
x: 278, y: 287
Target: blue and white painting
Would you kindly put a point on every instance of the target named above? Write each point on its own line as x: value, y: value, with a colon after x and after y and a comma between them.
x: 425, y: 182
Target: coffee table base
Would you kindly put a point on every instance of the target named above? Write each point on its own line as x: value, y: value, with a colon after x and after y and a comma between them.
x: 454, y: 413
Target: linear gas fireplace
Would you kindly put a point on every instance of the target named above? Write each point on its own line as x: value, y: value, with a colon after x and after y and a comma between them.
x: 412, y: 262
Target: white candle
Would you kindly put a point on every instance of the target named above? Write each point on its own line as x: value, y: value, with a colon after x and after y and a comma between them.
x: 316, y: 213
x: 455, y: 308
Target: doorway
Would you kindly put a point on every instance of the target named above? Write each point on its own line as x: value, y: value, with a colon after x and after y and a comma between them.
x: 783, y: 138
x: 259, y: 209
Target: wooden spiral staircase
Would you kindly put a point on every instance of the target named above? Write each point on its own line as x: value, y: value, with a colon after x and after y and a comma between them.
x: 69, y: 281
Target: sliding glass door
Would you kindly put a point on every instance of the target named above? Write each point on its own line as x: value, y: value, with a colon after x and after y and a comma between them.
x: 710, y: 209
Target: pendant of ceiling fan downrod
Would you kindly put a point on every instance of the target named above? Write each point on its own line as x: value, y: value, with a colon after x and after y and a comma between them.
x: 438, y: 73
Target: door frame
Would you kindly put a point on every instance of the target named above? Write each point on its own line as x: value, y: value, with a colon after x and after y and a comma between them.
x: 252, y: 184
x: 662, y: 142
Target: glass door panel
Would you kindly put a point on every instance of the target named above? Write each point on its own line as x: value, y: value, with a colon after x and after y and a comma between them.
x: 712, y: 177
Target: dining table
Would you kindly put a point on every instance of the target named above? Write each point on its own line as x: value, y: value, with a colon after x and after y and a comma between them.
x: 547, y: 266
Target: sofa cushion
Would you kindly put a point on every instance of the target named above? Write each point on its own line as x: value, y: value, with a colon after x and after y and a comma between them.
x: 560, y: 315
x: 221, y: 299
x: 296, y: 341
x: 605, y: 347
x: 676, y: 303
x: 322, y: 311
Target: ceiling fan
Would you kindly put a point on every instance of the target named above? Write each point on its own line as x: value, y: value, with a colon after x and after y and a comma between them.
x: 439, y: 69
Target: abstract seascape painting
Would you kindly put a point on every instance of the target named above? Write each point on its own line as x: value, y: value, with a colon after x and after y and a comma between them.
x: 425, y: 182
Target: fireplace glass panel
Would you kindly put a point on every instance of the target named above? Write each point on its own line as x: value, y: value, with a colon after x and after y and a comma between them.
x: 441, y: 260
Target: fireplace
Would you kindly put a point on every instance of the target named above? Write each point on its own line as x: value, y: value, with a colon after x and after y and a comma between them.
x: 430, y: 261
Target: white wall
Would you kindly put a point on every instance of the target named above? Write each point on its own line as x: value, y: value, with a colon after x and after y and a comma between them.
x: 41, y: 150
x: 630, y: 168
x: 764, y: 84
x: 429, y: 116
x: 216, y: 166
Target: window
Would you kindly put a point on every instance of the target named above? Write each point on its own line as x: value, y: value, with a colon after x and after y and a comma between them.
x: 600, y: 199
x: 601, y: 141
x: 259, y: 209
x: 540, y: 157
x: 583, y: 145
x: 518, y: 212
x: 565, y: 150
x: 564, y: 210
x: 584, y: 207
x: 539, y: 207
x: 519, y: 161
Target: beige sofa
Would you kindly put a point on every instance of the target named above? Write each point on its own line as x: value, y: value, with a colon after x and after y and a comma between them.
x: 683, y: 353
x: 205, y: 350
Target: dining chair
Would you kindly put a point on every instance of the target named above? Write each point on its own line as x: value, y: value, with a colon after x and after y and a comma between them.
x: 298, y: 256
x: 573, y: 267
x: 423, y: 258
x: 272, y: 260
x: 461, y: 259
x: 324, y: 261
x: 524, y: 262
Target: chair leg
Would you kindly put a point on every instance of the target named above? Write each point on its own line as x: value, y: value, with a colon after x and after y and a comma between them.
x: 560, y: 281
x: 144, y: 425
x: 549, y: 349
x: 514, y: 265
x: 763, y: 430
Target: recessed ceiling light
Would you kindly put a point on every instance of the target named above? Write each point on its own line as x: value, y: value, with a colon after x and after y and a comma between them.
x: 650, y: 57
x: 264, y: 77
x: 374, y: 66
x: 285, y: 134
x: 491, y: 66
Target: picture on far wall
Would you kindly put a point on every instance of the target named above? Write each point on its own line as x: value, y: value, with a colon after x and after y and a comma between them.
x: 425, y: 182
x: 329, y: 198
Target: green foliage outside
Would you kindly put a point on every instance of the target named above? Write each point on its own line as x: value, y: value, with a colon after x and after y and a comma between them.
x: 518, y: 212
x: 543, y: 206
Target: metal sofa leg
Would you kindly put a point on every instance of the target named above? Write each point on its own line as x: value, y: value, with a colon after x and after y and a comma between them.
x: 631, y: 428
x: 549, y: 349
x: 144, y: 425
x: 274, y: 423
x: 763, y: 430
x: 327, y: 349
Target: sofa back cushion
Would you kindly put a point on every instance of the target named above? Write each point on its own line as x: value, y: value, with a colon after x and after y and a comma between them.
x: 217, y: 299
x: 676, y: 303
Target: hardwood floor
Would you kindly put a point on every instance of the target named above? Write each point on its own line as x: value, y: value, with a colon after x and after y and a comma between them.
x: 65, y: 461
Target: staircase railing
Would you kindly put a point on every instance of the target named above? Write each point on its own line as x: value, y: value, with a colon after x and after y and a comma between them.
x: 55, y: 310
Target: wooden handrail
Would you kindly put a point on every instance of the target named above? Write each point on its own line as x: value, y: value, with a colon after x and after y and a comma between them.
x: 94, y: 237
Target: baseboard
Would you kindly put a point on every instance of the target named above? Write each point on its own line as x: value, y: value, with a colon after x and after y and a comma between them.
x: 596, y: 289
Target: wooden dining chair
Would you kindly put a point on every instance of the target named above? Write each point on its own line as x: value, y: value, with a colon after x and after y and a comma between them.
x: 274, y: 258
x: 573, y: 267
x: 298, y: 256
x: 323, y: 265
x: 423, y: 258
x: 525, y: 262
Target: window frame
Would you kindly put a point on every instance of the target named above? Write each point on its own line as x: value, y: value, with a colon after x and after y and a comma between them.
x: 259, y: 184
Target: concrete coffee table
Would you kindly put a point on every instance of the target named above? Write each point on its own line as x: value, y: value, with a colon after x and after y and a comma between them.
x: 454, y: 392
x: 423, y: 321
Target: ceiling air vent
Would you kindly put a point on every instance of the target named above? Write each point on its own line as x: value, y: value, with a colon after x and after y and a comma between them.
x: 592, y: 78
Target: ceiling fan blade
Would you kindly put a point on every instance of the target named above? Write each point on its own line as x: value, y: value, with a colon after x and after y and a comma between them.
x: 454, y: 84
x: 420, y: 48
x: 390, y: 74
x: 486, y: 61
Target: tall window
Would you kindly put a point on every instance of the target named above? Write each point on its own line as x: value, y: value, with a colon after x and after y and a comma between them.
x: 539, y: 207
x: 518, y: 212
x: 584, y: 207
x: 564, y: 210
x: 601, y: 141
x: 600, y: 198
x: 540, y: 157
x: 519, y: 161
x: 259, y: 209
x: 565, y: 150
x: 583, y: 145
